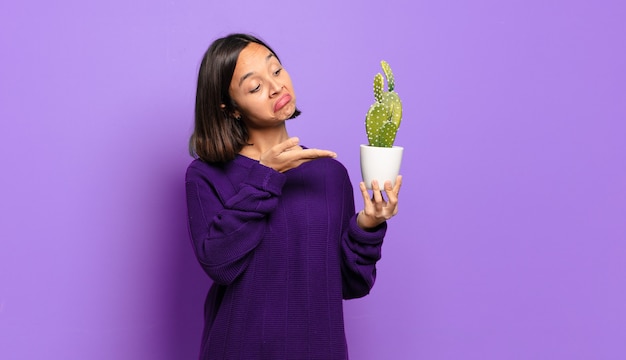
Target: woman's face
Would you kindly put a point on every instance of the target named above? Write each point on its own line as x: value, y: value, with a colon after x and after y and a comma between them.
x: 261, y: 88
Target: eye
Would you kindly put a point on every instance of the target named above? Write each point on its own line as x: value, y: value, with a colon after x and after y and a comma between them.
x: 277, y: 72
x: 257, y: 88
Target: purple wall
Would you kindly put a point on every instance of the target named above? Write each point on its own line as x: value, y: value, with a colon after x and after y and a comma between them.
x: 511, y: 240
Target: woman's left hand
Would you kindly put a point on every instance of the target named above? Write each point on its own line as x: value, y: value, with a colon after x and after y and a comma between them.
x: 378, y: 210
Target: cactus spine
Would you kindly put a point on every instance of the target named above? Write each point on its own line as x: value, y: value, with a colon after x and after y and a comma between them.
x: 384, y: 116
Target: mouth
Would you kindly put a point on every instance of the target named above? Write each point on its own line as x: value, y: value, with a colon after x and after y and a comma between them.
x: 282, y: 101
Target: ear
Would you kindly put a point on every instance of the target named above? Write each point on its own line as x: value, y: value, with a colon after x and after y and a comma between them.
x: 235, y: 114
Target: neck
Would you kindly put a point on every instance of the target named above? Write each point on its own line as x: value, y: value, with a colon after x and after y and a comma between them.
x: 260, y: 141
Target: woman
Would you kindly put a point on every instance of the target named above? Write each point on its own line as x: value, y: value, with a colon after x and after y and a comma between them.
x: 272, y: 223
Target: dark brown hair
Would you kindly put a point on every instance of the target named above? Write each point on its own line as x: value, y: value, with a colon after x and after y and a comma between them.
x: 218, y: 136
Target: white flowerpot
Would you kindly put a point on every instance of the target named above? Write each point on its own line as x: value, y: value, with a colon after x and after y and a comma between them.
x: 380, y: 163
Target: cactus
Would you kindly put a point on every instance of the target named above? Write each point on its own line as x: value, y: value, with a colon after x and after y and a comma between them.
x: 384, y: 116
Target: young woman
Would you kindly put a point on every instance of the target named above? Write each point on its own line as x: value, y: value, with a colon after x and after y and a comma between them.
x: 273, y: 223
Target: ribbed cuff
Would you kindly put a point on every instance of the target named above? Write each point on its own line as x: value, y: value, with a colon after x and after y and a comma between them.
x: 267, y: 179
x: 372, y: 237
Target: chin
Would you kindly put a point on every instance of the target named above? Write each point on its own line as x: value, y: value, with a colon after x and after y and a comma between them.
x: 291, y: 111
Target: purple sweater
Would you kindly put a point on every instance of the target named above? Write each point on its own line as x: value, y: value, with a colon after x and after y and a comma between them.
x: 283, y: 251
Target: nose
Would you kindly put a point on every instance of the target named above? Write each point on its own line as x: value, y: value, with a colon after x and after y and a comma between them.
x: 275, y: 86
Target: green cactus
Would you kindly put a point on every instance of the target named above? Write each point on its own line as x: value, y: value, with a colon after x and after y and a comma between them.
x: 384, y: 116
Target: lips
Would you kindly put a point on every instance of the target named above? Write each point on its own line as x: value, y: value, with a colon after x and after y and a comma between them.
x: 282, y: 101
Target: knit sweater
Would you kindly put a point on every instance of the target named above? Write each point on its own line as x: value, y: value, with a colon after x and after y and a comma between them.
x: 283, y: 251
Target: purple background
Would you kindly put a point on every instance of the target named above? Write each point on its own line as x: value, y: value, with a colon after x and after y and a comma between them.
x: 511, y: 237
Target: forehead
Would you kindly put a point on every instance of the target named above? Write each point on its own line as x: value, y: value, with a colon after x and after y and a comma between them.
x: 253, y: 55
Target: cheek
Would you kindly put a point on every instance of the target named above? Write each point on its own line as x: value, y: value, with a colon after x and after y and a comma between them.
x: 254, y: 108
x: 290, y: 85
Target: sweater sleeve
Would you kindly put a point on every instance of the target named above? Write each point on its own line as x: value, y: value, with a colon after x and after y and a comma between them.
x: 227, y: 221
x: 361, y: 249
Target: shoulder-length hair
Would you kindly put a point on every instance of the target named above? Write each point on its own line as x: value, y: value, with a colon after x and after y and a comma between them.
x: 218, y: 136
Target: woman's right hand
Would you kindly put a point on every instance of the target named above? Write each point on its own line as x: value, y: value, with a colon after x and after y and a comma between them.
x: 288, y: 155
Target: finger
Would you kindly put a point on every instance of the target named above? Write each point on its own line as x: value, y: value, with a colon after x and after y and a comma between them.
x: 364, y: 193
x: 287, y: 144
x: 398, y: 184
x: 316, y: 153
x: 392, y: 194
x: 376, y: 195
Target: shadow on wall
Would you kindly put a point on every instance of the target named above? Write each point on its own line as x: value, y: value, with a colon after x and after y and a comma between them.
x: 182, y: 284
x: 185, y: 287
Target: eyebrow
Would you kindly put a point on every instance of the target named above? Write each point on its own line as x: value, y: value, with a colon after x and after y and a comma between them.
x: 267, y: 58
